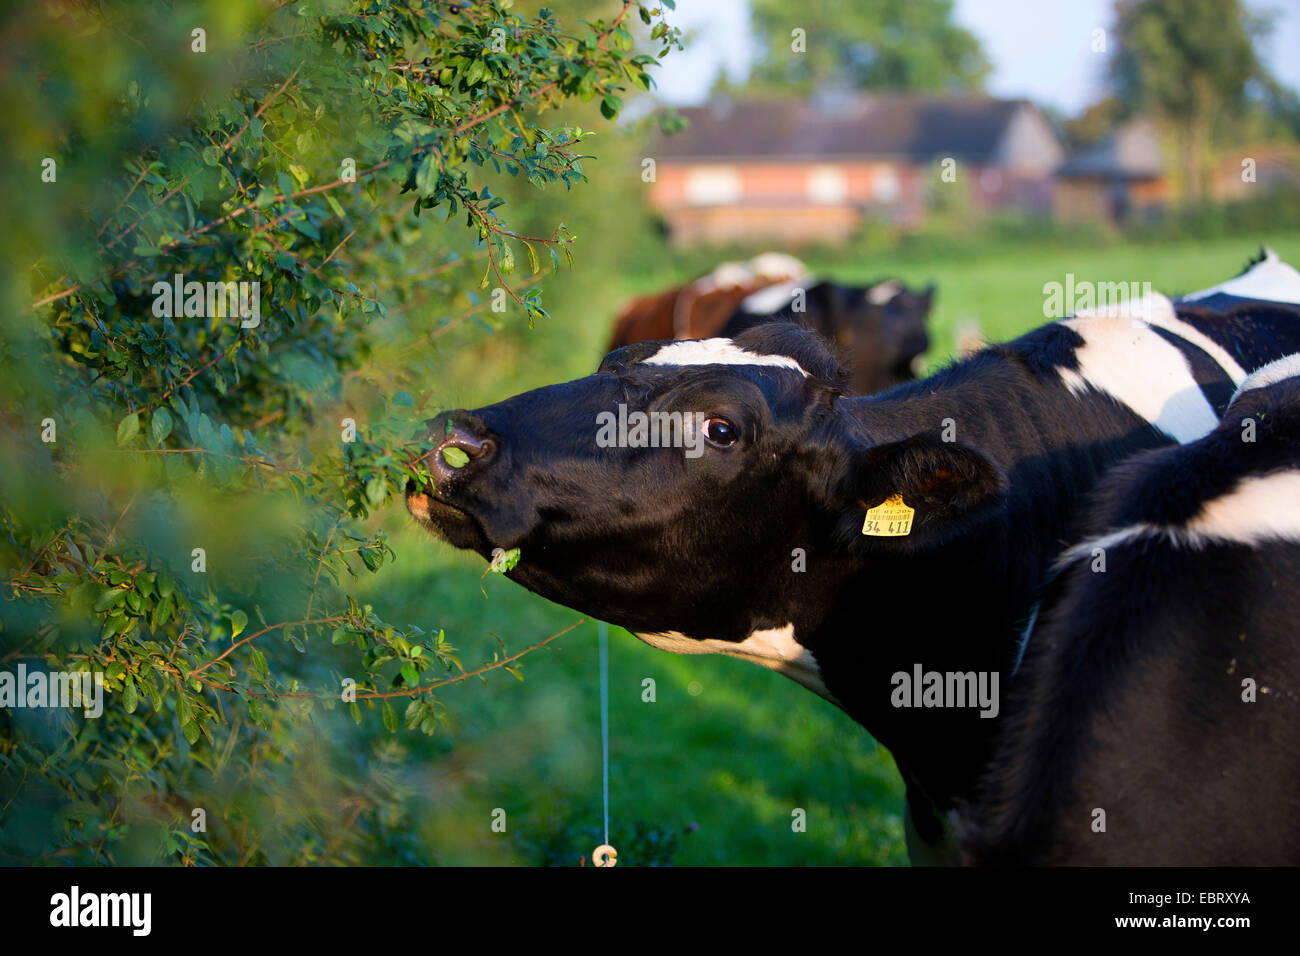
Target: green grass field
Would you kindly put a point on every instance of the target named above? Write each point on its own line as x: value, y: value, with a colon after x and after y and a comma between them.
x: 726, y: 746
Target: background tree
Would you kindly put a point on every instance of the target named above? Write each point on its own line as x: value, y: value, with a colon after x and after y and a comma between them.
x: 913, y: 46
x: 1188, y: 62
x: 185, y: 498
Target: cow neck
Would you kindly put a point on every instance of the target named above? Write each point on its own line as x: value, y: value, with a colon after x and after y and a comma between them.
x: 961, y: 605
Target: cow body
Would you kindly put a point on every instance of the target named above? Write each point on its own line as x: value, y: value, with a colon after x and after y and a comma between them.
x: 1157, y: 710
x: 756, y: 547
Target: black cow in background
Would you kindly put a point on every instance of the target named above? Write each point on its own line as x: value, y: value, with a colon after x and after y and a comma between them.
x: 879, y: 330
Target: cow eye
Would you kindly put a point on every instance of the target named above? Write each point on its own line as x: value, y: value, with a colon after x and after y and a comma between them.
x: 719, y: 431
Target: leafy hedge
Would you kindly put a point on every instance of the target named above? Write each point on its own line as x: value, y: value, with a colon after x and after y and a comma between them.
x: 187, y: 493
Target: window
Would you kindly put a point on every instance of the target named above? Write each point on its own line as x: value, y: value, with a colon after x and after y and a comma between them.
x: 713, y: 186
x: 884, y: 185
x: 827, y: 184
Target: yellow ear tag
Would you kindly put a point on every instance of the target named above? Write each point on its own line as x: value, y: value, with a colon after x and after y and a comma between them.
x: 889, y: 519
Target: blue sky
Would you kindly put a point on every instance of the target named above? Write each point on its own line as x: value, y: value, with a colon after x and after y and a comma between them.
x: 1041, y: 49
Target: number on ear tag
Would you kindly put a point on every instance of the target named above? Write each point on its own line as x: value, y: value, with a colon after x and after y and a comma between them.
x: 889, y: 519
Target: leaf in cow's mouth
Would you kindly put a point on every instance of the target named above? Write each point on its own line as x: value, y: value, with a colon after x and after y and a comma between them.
x: 455, y: 457
x: 503, y: 561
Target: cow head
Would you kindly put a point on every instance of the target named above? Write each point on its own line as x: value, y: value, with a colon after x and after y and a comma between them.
x: 766, y: 455
x: 906, y: 338
x: 880, y: 328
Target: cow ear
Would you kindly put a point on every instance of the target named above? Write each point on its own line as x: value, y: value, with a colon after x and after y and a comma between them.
x: 945, y: 485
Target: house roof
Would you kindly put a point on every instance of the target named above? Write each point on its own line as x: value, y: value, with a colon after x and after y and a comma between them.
x: 848, y: 125
x: 1131, y: 152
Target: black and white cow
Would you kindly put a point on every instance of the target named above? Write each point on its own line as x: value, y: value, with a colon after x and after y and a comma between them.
x: 753, y: 540
x: 1156, y: 718
x: 879, y: 329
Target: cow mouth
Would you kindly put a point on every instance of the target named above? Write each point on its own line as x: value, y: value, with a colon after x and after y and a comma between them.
x: 444, y: 519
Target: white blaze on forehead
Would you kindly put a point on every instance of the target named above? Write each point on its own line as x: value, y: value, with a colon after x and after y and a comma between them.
x: 1276, y: 371
x: 1271, y: 279
x: 1129, y: 361
x: 774, y: 648
x: 1258, y: 510
x: 717, y: 352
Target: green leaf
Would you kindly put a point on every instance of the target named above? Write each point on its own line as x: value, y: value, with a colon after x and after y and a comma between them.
x: 410, y: 677
x: 109, y: 597
x: 238, y: 621
x: 504, y: 561
x: 455, y: 457
x: 128, y: 428
x: 130, y: 696
x: 414, y: 714
x: 160, y: 425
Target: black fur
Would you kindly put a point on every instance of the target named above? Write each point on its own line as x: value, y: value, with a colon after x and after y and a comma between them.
x: 653, y: 541
x: 1129, y: 699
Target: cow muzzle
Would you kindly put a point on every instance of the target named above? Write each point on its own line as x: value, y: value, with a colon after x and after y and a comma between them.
x: 461, y: 453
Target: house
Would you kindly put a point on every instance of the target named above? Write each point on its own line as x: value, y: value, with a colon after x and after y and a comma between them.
x: 1119, y: 178
x: 812, y: 170
x: 1255, y: 169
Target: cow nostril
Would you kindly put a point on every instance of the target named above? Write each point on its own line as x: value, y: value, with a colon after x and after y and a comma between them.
x: 461, y: 448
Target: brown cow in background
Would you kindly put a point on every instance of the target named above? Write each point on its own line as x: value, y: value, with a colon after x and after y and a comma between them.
x: 701, y: 308
x: 878, y: 329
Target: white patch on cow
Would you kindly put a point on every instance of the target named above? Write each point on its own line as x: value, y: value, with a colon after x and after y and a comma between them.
x: 883, y: 293
x: 728, y: 275
x: 773, y: 266
x: 1112, y: 539
x: 1270, y: 279
x: 717, y: 352
x: 772, y: 299
x: 1258, y: 510
x: 1156, y: 309
x: 776, y: 265
x: 774, y: 648
x: 1129, y: 361
x: 1276, y: 371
